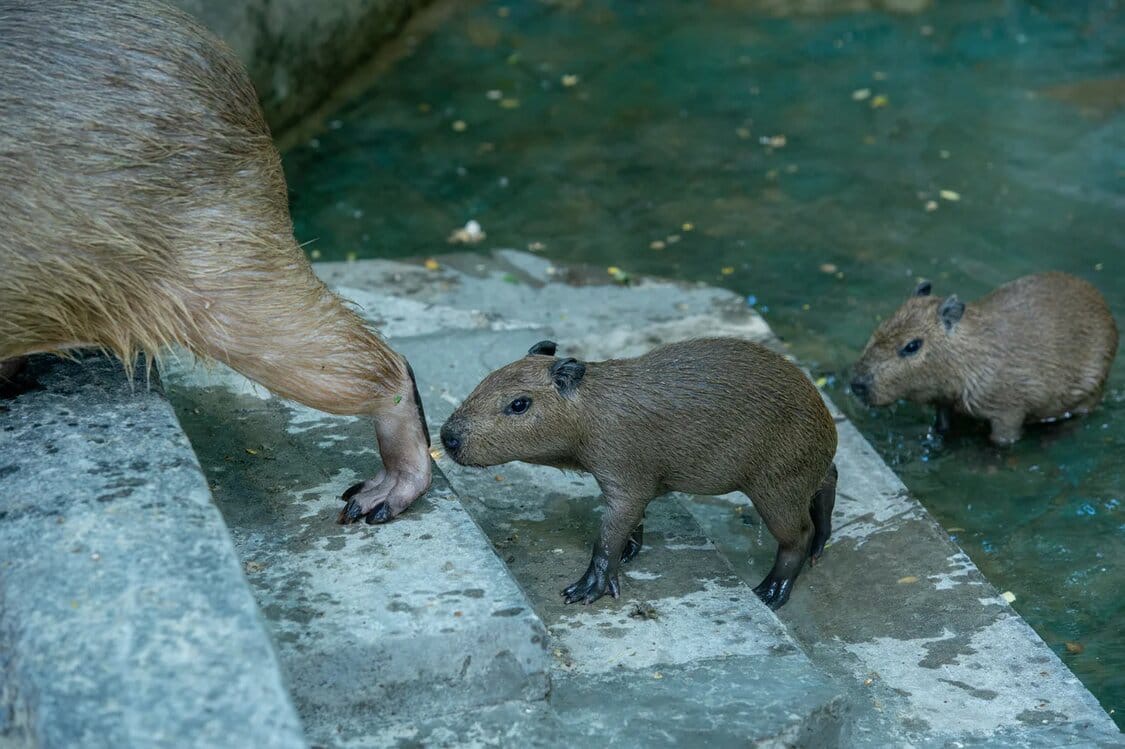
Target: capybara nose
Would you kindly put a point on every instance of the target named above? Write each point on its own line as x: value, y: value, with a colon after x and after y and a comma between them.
x: 861, y: 386
x: 448, y: 438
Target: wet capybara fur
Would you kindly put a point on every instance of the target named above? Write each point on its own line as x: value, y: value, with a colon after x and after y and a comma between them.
x: 1036, y: 349
x: 705, y: 416
x: 142, y: 204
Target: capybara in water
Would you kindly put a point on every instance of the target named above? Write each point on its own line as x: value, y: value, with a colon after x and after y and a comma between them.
x: 1035, y: 349
x: 705, y: 416
x: 142, y: 204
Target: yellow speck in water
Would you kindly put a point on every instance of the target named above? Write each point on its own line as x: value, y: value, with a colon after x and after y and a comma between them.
x: 509, y: 103
x: 1075, y: 647
x: 613, y: 270
x: 805, y: 307
x: 250, y: 451
x: 880, y: 101
x: 437, y: 453
x: 570, y: 80
x: 950, y: 195
x: 688, y: 226
x: 314, y: 254
x: 828, y: 268
x: 672, y: 238
x: 460, y: 126
x: 656, y: 244
x: 821, y: 381
x: 1008, y: 596
x: 658, y: 675
x: 726, y: 271
x: 742, y: 132
x: 431, y: 264
x: 1098, y: 266
x: 860, y: 94
x: 908, y: 579
x: 351, y: 256
x: 931, y: 206
x: 498, y: 477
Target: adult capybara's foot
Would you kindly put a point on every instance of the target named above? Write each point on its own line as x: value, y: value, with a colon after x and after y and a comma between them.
x: 598, y: 580
x: 774, y: 592
x: 381, y: 498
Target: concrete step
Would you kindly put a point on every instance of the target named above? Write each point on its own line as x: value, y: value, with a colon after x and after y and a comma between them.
x: 125, y: 620
x: 371, y: 623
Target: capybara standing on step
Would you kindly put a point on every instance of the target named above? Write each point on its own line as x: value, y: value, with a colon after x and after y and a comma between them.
x: 706, y: 416
x: 142, y: 204
x: 1036, y: 349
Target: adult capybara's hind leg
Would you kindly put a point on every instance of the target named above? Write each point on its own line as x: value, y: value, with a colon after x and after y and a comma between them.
x: 823, y: 501
x: 790, y: 522
x: 9, y: 372
x: 299, y: 340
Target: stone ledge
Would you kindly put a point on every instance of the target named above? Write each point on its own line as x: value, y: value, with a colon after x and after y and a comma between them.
x: 125, y: 620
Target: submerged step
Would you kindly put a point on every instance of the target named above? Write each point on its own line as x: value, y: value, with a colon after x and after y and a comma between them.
x: 372, y: 623
x: 125, y: 620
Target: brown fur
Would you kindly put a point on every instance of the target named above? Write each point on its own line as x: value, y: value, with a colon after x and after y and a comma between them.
x: 1037, y: 348
x: 142, y: 204
x: 706, y: 416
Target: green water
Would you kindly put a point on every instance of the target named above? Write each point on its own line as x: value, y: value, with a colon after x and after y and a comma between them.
x: 804, y: 192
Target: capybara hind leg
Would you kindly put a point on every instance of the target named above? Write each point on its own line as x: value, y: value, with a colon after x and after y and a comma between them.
x: 790, y: 522
x: 301, y: 342
x: 823, y: 501
x: 9, y: 372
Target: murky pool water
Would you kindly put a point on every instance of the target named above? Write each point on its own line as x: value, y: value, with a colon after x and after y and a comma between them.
x: 819, y: 163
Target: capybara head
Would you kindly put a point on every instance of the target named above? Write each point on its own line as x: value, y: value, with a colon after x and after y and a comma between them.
x: 909, y: 354
x: 523, y: 411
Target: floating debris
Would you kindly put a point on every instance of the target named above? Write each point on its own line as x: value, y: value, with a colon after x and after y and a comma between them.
x: 251, y: 451
x: 656, y: 244
x: 908, y: 580
x: 950, y: 195
x: 643, y: 610
x: 821, y: 382
x: 880, y: 101
x: 569, y: 80
x: 459, y: 126
x: 1098, y: 266
x: 687, y: 226
x: 536, y: 247
x: 828, y: 268
x: 1075, y: 647
x: 351, y: 256
x: 495, y: 94
x: 470, y: 233
x: 617, y: 274
x: 742, y: 132
x: 314, y: 254
x: 431, y: 264
x: 727, y: 270
x: 509, y: 103
x: 860, y: 94
x: 773, y: 141
x: 931, y: 206
x: 751, y: 300
x: 1008, y: 596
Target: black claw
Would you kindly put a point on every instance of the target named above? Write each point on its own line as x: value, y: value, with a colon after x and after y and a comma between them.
x: 381, y: 514
x: 352, y: 491
x: 352, y: 511
x: 774, y: 593
x: 632, y: 548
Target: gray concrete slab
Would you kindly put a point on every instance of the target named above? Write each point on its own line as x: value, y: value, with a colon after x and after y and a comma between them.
x: 125, y: 620
x: 933, y: 653
x: 371, y: 622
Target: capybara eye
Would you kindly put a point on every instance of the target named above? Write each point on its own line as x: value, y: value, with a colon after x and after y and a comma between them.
x: 518, y: 406
x: 911, y: 348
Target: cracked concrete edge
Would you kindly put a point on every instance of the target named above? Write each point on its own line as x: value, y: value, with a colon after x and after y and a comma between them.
x: 125, y: 618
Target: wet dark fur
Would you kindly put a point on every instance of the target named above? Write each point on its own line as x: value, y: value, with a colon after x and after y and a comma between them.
x: 706, y: 416
x: 1038, y: 348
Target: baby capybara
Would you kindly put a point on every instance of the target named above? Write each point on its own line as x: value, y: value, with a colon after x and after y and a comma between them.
x: 706, y: 416
x: 142, y: 204
x: 1035, y: 349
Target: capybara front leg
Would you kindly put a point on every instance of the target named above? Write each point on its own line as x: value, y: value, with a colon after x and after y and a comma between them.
x: 622, y: 518
x: 1006, y: 429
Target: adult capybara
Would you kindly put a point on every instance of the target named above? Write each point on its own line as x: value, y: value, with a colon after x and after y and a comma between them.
x: 706, y: 416
x: 1036, y: 349
x: 142, y: 204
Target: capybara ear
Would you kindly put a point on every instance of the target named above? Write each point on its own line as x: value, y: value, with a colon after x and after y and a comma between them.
x: 546, y: 348
x: 567, y: 373
x: 923, y: 289
x: 950, y: 311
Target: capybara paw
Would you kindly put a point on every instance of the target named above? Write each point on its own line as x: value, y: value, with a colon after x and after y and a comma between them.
x: 591, y: 587
x: 380, y: 499
x: 774, y: 592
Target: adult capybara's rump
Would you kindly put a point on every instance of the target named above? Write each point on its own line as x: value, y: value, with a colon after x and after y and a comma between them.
x: 142, y: 203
